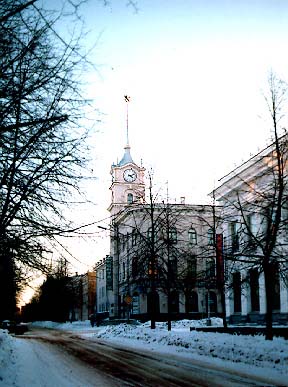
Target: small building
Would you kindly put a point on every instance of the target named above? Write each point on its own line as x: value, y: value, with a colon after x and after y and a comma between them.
x: 83, y: 289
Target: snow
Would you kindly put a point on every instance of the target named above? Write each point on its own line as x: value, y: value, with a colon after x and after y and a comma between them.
x: 247, y: 354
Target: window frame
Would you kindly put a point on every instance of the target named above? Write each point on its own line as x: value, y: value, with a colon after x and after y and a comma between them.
x: 192, y: 236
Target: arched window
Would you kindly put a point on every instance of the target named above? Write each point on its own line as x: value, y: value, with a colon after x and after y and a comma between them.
x: 134, y: 237
x: 210, y: 237
x: 192, y: 234
x: 173, y: 235
x: 130, y: 198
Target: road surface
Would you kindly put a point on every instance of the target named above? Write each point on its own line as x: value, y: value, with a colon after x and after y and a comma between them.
x: 99, y: 364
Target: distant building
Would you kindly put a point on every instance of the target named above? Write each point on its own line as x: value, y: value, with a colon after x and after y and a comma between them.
x: 83, y: 289
x: 88, y: 294
x: 104, y: 286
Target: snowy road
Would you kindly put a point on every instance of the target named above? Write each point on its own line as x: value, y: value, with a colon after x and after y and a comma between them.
x: 69, y: 360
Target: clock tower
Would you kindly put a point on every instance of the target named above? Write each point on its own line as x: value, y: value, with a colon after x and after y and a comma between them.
x: 128, y: 185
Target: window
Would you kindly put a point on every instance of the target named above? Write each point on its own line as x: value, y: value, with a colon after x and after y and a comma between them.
x: 275, y: 281
x: 130, y: 198
x: 237, y: 292
x: 124, y: 270
x: 150, y: 234
x: 135, y: 304
x: 172, y: 268
x: 173, y: 235
x: 192, y: 267
x: 152, y: 267
x: 211, y: 302
x: 192, y: 302
x: 254, y: 290
x: 192, y: 236
x: 174, y: 302
x: 250, y: 221
x: 210, y: 237
x: 134, y: 267
x: 134, y: 237
x: 210, y: 268
x: 234, y: 236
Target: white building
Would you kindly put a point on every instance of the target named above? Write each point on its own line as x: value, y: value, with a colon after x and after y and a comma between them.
x: 183, y: 256
x: 104, y: 286
x: 250, y: 220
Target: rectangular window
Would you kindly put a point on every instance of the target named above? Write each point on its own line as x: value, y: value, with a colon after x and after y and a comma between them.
x: 210, y: 237
x: 134, y: 267
x: 250, y: 231
x: 173, y: 235
x: 172, y: 268
x: 234, y: 236
x: 150, y: 234
x: 192, y: 236
x: 254, y: 290
x: 134, y: 238
x: 237, y: 292
x: 210, y: 268
x: 192, y: 267
x: 152, y: 267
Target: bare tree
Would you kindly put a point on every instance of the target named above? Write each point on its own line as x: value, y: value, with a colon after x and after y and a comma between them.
x: 42, y: 160
x: 254, y: 198
x: 158, y: 254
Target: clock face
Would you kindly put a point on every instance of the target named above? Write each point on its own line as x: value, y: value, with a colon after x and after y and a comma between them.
x: 129, y: 175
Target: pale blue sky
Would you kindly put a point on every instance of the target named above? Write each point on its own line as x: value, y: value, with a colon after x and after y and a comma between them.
x: 195, y: 71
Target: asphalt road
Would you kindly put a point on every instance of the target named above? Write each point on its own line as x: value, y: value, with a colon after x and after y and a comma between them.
x: 121, y: 367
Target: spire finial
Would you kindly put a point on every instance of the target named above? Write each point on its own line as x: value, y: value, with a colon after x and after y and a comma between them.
x: 127, y: 100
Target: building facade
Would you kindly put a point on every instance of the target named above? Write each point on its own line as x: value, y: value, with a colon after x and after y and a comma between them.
x: 104, y: 286
x: 164, y: 256
x: 254, y: 222
x: 83, y: 290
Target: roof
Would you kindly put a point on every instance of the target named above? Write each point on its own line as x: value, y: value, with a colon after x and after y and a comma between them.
x: 126, y: 159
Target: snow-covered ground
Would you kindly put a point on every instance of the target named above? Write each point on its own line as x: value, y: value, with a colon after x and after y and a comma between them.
x: 252, y: 355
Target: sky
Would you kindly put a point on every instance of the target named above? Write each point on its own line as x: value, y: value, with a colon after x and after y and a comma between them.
x: 196, y: 72
x: 28, y: 362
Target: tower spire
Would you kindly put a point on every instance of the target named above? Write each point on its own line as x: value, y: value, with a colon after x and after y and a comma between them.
x: 127, y: 156
x: 127, y: 100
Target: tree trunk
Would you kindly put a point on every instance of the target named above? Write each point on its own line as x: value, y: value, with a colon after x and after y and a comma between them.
x: 169, y: 311
x: 7, y: 287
